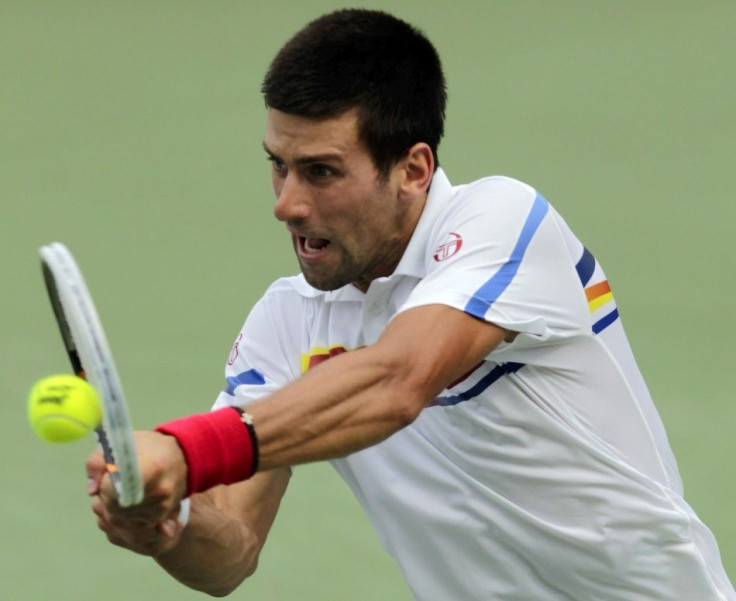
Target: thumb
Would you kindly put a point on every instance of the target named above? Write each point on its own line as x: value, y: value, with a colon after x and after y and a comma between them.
x: 96, y: 470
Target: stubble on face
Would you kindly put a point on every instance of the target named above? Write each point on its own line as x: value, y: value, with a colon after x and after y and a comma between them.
x: 367, y: 249
x: 348, y: 228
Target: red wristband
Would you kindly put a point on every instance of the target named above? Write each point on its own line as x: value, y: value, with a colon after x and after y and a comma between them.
x: 220, y: 447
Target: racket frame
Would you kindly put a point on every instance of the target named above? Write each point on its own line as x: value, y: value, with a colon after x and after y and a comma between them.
x: 91, y: 359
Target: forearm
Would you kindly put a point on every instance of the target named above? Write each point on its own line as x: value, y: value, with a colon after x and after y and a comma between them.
x: 344, y: 405
x: 358, y: 399
x: 227, y: 529
x: 216, y: 551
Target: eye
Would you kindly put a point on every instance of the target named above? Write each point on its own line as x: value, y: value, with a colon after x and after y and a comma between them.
x: 277, y: 165
x: 321, y: 171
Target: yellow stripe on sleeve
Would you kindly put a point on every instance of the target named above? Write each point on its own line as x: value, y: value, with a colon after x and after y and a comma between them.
x: 597, y: 303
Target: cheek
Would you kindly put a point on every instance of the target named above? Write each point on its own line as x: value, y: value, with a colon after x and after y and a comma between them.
x: 367, y: 233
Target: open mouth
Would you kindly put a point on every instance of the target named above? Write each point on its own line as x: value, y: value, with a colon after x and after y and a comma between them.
x: 312, y: 246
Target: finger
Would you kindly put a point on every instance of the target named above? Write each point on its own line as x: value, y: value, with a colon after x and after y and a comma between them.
x: 150, y: 514
x: 106, y: 492
x: 138, y: 537
x: 111, y: 520
x: 96, y: 469
x: 104, y: 523
x: 146, y: 541
x: 98, y: 509
x: 140, y: 541
x: 169, y: 528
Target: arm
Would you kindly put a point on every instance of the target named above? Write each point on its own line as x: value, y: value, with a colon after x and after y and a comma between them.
x: 219, y: 548
x: 346, y: 404
x: 220, y: 545
x: 359, y: 398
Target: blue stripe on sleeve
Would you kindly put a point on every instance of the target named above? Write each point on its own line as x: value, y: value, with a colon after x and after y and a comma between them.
x: 489, y: 292
x: 604, y: 322
x: 492, y: 376
x: 585, y: 267
x: 252, y: 376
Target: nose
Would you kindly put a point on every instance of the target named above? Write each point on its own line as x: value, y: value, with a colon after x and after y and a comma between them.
x: 292, y: 199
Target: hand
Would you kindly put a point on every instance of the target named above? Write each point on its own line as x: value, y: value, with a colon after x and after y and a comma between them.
x: 151, y: 527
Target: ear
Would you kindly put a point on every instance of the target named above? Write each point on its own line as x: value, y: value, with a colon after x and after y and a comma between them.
x: 417, y: 171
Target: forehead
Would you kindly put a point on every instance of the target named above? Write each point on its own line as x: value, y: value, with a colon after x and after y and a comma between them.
x: 292, y: 135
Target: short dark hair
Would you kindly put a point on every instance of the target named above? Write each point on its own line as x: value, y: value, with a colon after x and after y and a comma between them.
x: 369, y: 60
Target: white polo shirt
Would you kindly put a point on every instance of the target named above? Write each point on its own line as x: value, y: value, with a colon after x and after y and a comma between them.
x: 545, y: 472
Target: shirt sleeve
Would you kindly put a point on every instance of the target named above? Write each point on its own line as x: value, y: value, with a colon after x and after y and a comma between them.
x: 508, y: 263
x: 265, y: 354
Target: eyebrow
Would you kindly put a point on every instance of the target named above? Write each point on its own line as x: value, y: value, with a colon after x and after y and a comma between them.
x: 306, y: 160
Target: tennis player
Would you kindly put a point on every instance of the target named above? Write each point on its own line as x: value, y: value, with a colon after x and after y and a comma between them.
x: 454, y: 351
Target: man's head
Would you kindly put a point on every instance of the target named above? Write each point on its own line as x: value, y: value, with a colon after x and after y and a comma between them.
x: 369, y: 61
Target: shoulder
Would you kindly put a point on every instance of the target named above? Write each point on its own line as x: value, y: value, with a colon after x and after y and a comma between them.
x: 496, y: 191
x: 491, y: 205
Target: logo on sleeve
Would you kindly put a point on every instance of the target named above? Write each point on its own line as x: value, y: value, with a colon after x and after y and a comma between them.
x: 449, y: 248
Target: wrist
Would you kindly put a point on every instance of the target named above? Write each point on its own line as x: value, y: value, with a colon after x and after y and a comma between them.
x: 219, y: 447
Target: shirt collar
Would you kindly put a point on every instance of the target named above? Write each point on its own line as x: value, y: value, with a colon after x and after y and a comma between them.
x: 414, y: 258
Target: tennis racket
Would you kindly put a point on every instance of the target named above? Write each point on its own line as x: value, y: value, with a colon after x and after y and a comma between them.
x: 91, y: 359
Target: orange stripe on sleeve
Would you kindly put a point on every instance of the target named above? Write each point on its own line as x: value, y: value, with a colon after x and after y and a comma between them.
x: 596, y: 290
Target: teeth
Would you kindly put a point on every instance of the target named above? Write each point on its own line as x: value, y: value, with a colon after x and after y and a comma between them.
x: 314, y: 245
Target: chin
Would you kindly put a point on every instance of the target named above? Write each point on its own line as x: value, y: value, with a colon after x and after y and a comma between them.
x: 326, y: 284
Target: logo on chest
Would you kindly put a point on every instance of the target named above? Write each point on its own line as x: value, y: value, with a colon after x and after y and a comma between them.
x: 449, y: 248
x: 318, y: 355
x: 234, y: 351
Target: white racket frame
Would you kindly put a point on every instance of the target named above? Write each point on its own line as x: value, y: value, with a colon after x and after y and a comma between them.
x: 88, y: 340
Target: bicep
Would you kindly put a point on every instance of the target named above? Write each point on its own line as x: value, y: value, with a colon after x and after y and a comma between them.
x: 435, y: 344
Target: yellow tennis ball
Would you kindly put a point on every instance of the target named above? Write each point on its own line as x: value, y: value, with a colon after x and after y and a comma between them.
x: 63, y: 408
